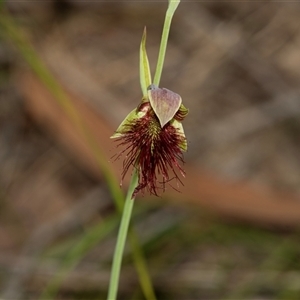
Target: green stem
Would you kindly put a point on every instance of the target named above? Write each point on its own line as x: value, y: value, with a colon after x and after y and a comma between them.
x: 138, y: 254
x: 117, y: 260
x: 164, y: 40
x: 118, y: 255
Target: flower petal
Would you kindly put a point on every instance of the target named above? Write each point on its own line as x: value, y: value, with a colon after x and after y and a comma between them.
x: 164, y: 102
x: 134, y: 114
x: 176, y: 124
x: 181, y: 113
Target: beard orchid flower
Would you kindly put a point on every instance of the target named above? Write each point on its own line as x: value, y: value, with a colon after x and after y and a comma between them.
x: 154, y: 140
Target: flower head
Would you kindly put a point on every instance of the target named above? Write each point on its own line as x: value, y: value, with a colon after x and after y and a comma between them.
x: 154, y: 140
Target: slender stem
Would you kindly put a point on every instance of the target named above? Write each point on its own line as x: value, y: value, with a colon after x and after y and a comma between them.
x: 146, y: 283
x: 118, y: 255
x: 117, y: 260
x: 164, y: 40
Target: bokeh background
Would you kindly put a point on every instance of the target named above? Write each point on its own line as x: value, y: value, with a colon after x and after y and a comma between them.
x: 232, y: 232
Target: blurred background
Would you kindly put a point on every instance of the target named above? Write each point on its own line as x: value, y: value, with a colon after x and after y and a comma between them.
x: 232, y: 231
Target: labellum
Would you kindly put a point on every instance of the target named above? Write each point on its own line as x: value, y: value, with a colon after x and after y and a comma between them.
x: 154, y: 140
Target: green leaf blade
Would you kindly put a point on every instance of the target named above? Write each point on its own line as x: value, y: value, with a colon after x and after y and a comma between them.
x: 145, y: 74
